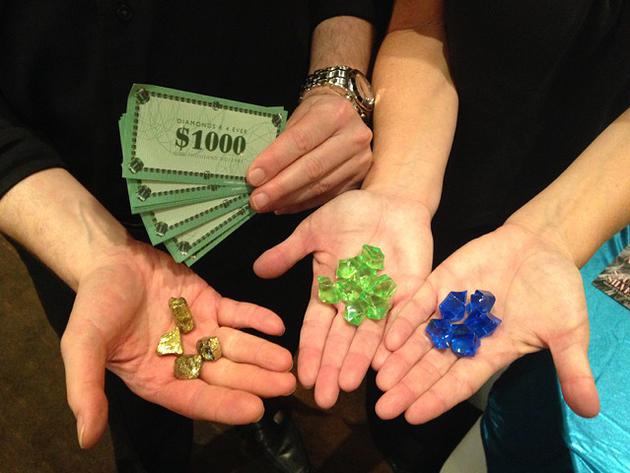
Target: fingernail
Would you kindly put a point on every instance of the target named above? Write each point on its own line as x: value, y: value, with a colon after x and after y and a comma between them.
x: 80, y: 430
x: 260, y: 200
x: 256, y: 177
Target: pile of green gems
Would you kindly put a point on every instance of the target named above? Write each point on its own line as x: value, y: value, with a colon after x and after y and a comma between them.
x: 364, y: 292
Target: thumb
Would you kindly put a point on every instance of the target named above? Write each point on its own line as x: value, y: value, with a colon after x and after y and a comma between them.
x: 84, y: 354
x: 569, y: 353
x: 279, y: 259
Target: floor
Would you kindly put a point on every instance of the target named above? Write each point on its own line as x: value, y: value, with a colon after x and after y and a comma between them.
x: 37, y: 429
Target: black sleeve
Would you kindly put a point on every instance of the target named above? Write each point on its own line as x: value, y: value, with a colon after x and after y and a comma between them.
x: 22, y: 153
x: 323, y: 9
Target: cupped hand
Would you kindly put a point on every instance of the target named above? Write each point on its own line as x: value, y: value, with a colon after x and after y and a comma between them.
x: 120, y: 312
x: 324, y: 151
x: 540, y: 299
x: 334, y: 354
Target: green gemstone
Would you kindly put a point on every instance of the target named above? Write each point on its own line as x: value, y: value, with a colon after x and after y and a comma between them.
x: 348, y: 290
x: 362, y: 268
x: 373, y: 257
x: 327, y: 290
x: 355, y: 313
x: 346, y: 269
x: 383, y: 286
x: 366, y: 282
x: 377, y: 307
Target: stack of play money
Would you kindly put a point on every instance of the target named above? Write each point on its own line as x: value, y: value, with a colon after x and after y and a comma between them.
x: 185, y: 156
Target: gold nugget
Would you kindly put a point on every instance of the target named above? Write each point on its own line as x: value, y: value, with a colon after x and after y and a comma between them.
x: 170, y: 343
x: 209, y: 348
x: 188, y: 366
x: 181, y: 312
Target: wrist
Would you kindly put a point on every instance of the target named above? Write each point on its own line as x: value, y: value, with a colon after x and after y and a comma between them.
x: 423, y: 188
x: 349, y: 83
x: 392, y: 194
x: 545, y: 226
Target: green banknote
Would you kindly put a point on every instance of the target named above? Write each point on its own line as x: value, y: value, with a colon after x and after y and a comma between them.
x: 185, y: 156
x: 186, y: 245
x: 145, y: 195
x: 221, y: 234
x: 164, y: 224
x: 178, y: 136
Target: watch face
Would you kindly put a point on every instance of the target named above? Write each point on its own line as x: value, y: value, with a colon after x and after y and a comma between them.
x: 364, y: 90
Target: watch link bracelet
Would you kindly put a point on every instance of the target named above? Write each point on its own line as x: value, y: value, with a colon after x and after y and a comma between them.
x: 349, y: 83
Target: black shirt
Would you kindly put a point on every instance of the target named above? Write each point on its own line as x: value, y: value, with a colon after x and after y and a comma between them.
x: 66, y: 68
x: 537, y: 82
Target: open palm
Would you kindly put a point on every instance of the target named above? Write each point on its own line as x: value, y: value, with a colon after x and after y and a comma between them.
x: 334, y: 354
x: 120, y: 312
x: 539, y: 297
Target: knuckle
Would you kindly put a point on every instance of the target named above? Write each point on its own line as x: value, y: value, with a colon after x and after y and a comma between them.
x: 302, y: 140
x: 321, y: 187
x: 340, y: 110
x: 314, y: 168
x: 363, y: 136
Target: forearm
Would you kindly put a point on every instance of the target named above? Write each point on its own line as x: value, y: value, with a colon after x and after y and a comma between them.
x: 590, y: 200
x: 59, y: 221
x: 416, y: 108
x: 342, y: 40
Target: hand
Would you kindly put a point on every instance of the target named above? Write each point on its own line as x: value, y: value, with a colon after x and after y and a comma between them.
x: 334, y: 354
x: 540, y: 299
x: 121, y: 311
x: 324, y: 151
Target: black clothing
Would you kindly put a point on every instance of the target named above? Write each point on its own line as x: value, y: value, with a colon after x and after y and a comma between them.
x: 66, y: 68
x: 537, y: 82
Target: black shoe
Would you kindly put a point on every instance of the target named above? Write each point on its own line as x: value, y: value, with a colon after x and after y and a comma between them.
x: 280, y: 441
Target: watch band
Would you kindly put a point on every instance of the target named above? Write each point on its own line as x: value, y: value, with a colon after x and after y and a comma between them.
x: 341, y: 79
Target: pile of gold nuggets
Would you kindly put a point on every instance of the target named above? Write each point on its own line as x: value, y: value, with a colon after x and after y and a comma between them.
x: 208, y: 348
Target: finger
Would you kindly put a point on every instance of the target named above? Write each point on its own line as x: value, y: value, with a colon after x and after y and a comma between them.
x: 316, y: 201
x: 245, y: 348
x: 84, y: 355
x: 402, y: 360
x: 421, y: 306
x: 316, y: 173
x: 464, y: 378
x: 570, y: 357
x: 245, y: 315
x: 304, y: 135
x: 382, y: 353
x: 337, y: 345
x: 198, y: 400
x: 362, y: 349
x: 420, y: 378
x: 279, y: 259
x: 315, y: 327
x: 244, y: 377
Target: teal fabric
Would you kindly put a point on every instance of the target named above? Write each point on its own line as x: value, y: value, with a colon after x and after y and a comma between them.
x: 602, y: 444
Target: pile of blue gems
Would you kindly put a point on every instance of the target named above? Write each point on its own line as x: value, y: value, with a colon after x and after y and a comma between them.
x: 364, y: 292
x: 463, y: 338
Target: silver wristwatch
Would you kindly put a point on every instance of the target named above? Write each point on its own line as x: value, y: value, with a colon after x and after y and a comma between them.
x: 350, y: 83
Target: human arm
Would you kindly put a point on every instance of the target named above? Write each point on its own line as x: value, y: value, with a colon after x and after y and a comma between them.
x: 120, y: 312
x: 325, y: 148
x: 531, y: 265
x: 414, y: 125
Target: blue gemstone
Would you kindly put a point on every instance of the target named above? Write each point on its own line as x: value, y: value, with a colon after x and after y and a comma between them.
x: 439, y: 331
x: 483, y: 324
x: 481, y: 301
x: 464, y: 342
x: 453, y: 307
